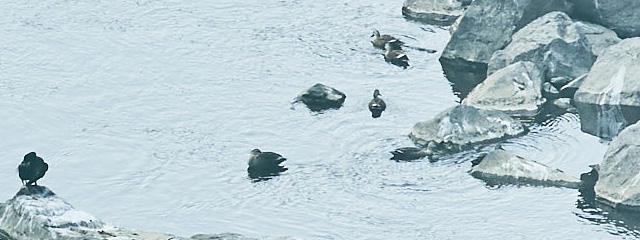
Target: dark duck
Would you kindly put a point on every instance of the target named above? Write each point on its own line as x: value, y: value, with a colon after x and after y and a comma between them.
x: 32, y: 168
x: 265, y: 164
x: 409, y: 153
x: 377, y: 105
x: 395, y: 55
x: 379, y: 41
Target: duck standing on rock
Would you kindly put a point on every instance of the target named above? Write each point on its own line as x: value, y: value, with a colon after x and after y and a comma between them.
x: 264, y: 164
x: 32, y: 168
x: 377, y: 105
x: 395, y: 55
x: 379, y: 41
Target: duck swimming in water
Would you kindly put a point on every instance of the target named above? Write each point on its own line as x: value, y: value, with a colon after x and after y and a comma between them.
x: 409, y: 153
x: 264, y: 164
x: 395, y: 55
x: 32, y: 168
x: 377, y: 105
x: 379, y: 41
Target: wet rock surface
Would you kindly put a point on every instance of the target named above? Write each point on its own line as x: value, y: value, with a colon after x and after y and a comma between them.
x: 514, y: 90
x: 618, y: 175
x: 462, y: 127
x: 439, y: 12
x: 500, y: 167
x: 486, y: 27
x: 608, y: 98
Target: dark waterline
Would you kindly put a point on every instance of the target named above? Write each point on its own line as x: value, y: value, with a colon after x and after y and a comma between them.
x: 146, y: 112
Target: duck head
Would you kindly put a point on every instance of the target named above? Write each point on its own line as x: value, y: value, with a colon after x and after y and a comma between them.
x: 376, y: 93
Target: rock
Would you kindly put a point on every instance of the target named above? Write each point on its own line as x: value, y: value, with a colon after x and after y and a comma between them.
x: 500, y: 167
x: 608, y: 98
x: 438, y: 12
x: 234, y: 236
x: 321, y: 97
x: 515, y: 90
x: 462, y: 127
x: 454, y: 26
x: 617, y: 184
x: 621, y: 15
x: 38, y: 213
x: 549, y: 91
x: 486, y: 27
x: 564, y: 103
x: 552, y: 40
x: 599, y: 37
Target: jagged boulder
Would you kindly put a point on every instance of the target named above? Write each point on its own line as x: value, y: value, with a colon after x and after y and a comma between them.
x: 320, y: 97
x: 486, y: 27
x: 439, y: 12
x: 608, y: 98
x: 619, y: 175
x: 620, y: 15
x: 552, y: 40
x: 462, y: 127
x: 501, y: 167
x: 515, y: 90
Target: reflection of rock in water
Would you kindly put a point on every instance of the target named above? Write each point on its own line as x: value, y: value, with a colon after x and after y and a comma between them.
x: 606, y: 121
x: 609, y: 121
x: 614, y: 221
x: 463, y: 75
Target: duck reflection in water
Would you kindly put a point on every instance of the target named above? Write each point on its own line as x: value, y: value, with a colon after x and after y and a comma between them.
x: 264, y: 165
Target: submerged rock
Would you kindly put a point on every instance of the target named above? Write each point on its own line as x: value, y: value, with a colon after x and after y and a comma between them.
x: 501, y: 167
x: 486, y: 27
x: 462, y: 127
x: 607, y: 99
x: 620, y: 15
x: 439, y: 12
x: 618, y: 175
x: 320, y: 97
x: 515, y: 90
x: 554, y: 42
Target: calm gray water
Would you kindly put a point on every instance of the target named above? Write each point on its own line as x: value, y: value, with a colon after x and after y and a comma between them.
x: 146, y: 112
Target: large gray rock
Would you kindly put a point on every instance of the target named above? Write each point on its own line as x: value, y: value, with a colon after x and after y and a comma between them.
x: 609, y: 97
x: 552, y: 40
x: 439, y: 12
x: 486, y: 27
x: 619, y: 175
x: 620, y: 15
x: 599, y: 37
x: 461, y: 127
x: 501, y: 167
x: 515, y: 90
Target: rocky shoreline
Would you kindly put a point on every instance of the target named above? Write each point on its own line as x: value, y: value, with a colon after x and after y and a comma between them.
x: 534, y: 59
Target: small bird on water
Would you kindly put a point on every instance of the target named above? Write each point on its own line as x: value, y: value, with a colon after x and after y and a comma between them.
x: 395, y: 55
x: 379, y: 41
x: 32, y: 168
x: 377, y: 105
x: 264, y: 164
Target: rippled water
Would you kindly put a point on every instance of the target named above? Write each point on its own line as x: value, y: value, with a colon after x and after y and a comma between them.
x: 146, y: 112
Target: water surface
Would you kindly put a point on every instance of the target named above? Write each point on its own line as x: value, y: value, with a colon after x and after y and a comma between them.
x: 147, y: 110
